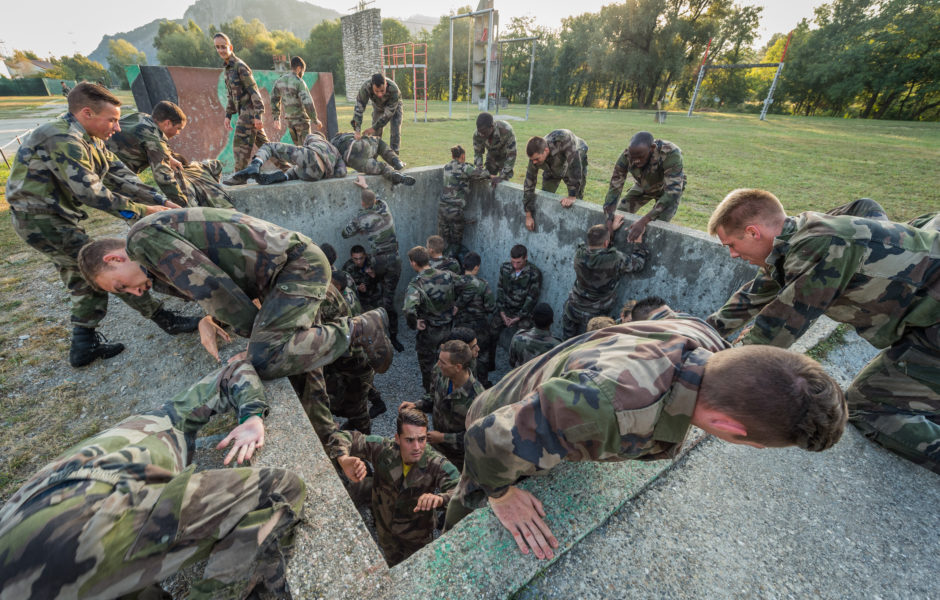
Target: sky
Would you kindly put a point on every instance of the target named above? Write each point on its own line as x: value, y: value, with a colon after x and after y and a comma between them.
x: 60, y: 27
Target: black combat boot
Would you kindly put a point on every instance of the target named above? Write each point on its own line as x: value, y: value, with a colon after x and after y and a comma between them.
x: 339, y: 169
x: 377, y: 405
x: 173, y: 323
x: 88, y: 344
x: 396, y: 344
x: 249, y: 172
x: 402, y: 178
x: 274, y: 177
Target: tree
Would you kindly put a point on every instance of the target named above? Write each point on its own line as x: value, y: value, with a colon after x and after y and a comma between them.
x: 79, y: 68
x: 120, y: 54
x: 394, y: 32
x: 184, y: 46
x: 323, y: 52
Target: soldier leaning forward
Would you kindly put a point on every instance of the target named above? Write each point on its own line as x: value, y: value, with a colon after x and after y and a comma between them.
x: 290, y: 92
x: 562, y: 156
x: 362, y: 155
x: 386, y: 109
x: 429, y: 308
x: 497, y: 140
x: 317, y: 159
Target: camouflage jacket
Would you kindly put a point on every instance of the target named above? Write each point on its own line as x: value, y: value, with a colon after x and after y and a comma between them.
x: 59, y: 167
x: 501, y: 146
x: 662, y: 177
x: 291, y: 92
x: 526, y: 344
x: 475, y: 301
x: 141, y: 144
x: 448, y: 406
x: 456, y: 186
x: 563, y: 162
x: 430, y: 296
x: 517, y: 295
x: 445, y: 263
x: 351, y: 295
x: 878, y: 276
x: 619, y: 393
x: 378, y: 225
x: 598, y: 271
x: 372, y: 295
x: 223, y: 259
x: 395, y: 496
x: 384, y: 107
x: 243, y: 95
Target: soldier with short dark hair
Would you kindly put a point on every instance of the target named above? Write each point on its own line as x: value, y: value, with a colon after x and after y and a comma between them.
x: 497, y: 141
x: 361, y: 268
x: 386, y: 109
x: 520, y: 284
x: 317, y: 159
x: 435, y: 246
x: 646, y: 308
x: 290, y: 90
x: 535, y: 341
x: 476, y: 305
x: 361, y: 153
x: 562, y: 156
x: 450, y: 211
x: 429, y: 308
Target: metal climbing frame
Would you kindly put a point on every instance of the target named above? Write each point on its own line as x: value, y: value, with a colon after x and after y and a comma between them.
x: 410, y: 55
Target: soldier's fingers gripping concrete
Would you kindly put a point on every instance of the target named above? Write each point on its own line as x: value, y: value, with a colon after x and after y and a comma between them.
x: 521, y: 514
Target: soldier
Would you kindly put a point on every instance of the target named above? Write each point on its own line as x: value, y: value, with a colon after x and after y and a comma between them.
x: 600, y: 323
x: 450, y: 219
x: 142, y: 143
x: 656, y: 167
x: 878, y: 276
x: 243, y: 99
x: 529, y: 343
x: 346, y: 283
x: 476, y: 305
x: 386, y: 109
x: 361, y: 154
x: 429, y: 308
x: 375, y: 221
x: 299, y: 110
x: 497, y: 140
x: 121, y: 511
x: 649, y: 309
x: 631, y: 392
x: 563, y: 156
x: 408, y: 482
x: 361, y: 268
x: 61, y: 165
x: 437, y: 260
x: 520, y: 284
x: 453, y: 390
x: 317, y: 159
x: 598, y: 269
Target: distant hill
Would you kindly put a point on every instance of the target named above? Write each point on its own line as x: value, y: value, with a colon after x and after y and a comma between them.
x: 291, y: 15
x: 415, y: 23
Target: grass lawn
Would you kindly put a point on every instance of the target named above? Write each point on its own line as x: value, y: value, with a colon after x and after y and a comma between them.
x: 14, y: 107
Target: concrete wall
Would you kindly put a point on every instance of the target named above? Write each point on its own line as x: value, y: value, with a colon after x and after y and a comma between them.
x: 362, y: 48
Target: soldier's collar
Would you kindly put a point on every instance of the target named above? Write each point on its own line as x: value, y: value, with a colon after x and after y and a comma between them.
x: 782, y: 241
x: 679, y: 404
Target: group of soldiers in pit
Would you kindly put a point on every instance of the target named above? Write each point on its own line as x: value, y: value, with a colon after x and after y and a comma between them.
x: 121, y: 511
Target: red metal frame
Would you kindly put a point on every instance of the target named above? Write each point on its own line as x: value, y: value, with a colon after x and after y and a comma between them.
x: 409, y: 55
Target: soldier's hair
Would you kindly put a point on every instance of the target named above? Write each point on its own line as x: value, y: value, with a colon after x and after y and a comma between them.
x: 518, y: 251
x: 435, y: 243
x: 457, y: 151
x: 543, y: 315
x: 329, y: 251
x: 641, y: 138
x: 471, y: 261
x: 419, y: 256
x: 167, y: 110
x: 91, y: 257
x: 597, y: 235
x: 464, y: 334
x: 368, y: 198
x: 224, y: 37
x: 626, y: 311
x: 781, y: 398
x: 484, y: 119
x: 459, y: 351
x: 600, y: 323
x: 297, y: 62
x: 743, y: 207
x: 535, y: 145
x: 339, y: 280
x: 410, y: 416
x: 90, y: 95
x: 357, y: 249
x: 644, y: 308
x: 378, y: 80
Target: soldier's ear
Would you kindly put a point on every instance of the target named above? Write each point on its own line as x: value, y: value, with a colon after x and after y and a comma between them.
x: 753, y: 231
x: 117, y: 257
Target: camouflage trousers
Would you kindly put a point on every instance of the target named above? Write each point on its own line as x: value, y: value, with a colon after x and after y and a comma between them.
x: 637, y: 197
x: 362, y: 154
x: 307, y: 166
x: 428, y: 347
x: 60, y: 240
x: 349, y: 383
x: 387, y: 267
x: 394, y: 126
x: 246, y: 137
x: 481, y: 327
x: 496, y: 331
x: 550, y: 183
x: 310, y: 388
x: 298, y: 129
x: 575, y: 317
x: 451, y: 229
x: 199, y: 181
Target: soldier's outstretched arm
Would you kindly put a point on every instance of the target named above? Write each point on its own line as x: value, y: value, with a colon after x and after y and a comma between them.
x: 234, y: 387
x: 744, y: 304
x: 617, y: 179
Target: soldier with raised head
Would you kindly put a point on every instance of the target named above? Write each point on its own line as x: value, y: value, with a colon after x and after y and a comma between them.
x: 562, y: 156
x: 429, y: 308
x: 497, y: 141
x: 361, y: 268
x: 879, y: 276
x: 346, y: 285
x: 450, y: 210
x: 317, y: 159
x: 142, y: 143
x: 656, y: 167
x: 60, y: 166
x: 374, y: 220
x: 435, y: 247
x: 476, y: 305
x: 361, y: 154
x: 529, y: 343
x: 598, y: 269
x: 290, y: 91
x: 520, y: 284
x: 386, y: 109
x: 631, y: 392
x: 453, y: 390
x: 121, y: 511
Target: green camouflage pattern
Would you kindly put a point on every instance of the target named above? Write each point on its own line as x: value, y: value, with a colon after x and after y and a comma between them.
x: 661, y: 180
x: 349, y: 377
x: 368, y: 287
x: 244, y: 98
x: 378, y: 225
x: 499, y: 148
x: 199, y: 182
x: 385, y: 110
x: 476, y: 304
x: 362, y: 154
x: 123, y: 510
x: 351, y: 295
x: 430, y: 297
x: 401, y: 530
x: 245, y: 138
x: 448, y: 407
x: 517, y: 295
x: 450, y: 209
x: 290, y: 93
x: 141, y: 144
x: 567, y: 161
x: 445, y: 263
x: 313, y: 161
x: 529, y: 343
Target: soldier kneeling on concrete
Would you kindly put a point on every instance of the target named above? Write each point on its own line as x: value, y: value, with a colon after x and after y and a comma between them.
x: 317, y: 159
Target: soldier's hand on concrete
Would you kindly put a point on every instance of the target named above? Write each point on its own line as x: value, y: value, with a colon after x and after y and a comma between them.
x: 428, y: 502
x: 245, y: 439
x: 175, y: 164
x: 616, y: 223
x: 422, y: 324
x: 529, y: 222
x: 258, y: 124
x: 435, y: 437
x: 521, y: 513
x: 361, y: 182
x: 209, y: 333
x: 494, y: 180
x: 352, y: 467
x: 567, y: 201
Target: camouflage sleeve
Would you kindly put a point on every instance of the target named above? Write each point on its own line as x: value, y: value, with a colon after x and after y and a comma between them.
x: 426, y: 403
x: 489, y: 299
x: 510, y: 163
x: 248, y: 81
x: 637, y: 259
x: 235, y: 387
x: 158, y: 154
x: 744, y: 304
x: 515, y: 353
x: 353, y: 443
x: 351, y: 229
x: 528, y: 187
x: 532, y: 294
x: 125, y: 182
x: 410, y: 306
x: 307, y: 100
x: 479, y: 150
x: 392, y: 100
x: 361, y: 100
x: 276, y: 100
x: 573, y: 172
x: 673, y: 181
x: 230, y: 108
x: 447, y: 477
x: 617, y: 179
x: 504, y: 282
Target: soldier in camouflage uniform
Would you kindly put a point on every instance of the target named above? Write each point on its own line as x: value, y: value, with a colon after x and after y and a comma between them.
x: 291, y: 91
x: 562, y: 156
x: 346, y: 284
x: 121, y: 511
x: 361, y: 268
x: 598, y: 269
x: 453, y: 390
x: 142, y: 143
x: 878, y: 276
x: 476, y: 306
x: 497, y: 140
x: 61, y: 165
x: 529, y: 343
x: 436, y: 258
x: 409, y: 481
x: 631, y: 392
x: 429, y: 308
x: 656, y: 167
x: 375, y: 221
x: 520, y: 284
x: 450, y: 210
x: 317, y: 159
x: 386, y: 109
x: 361, y: 154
